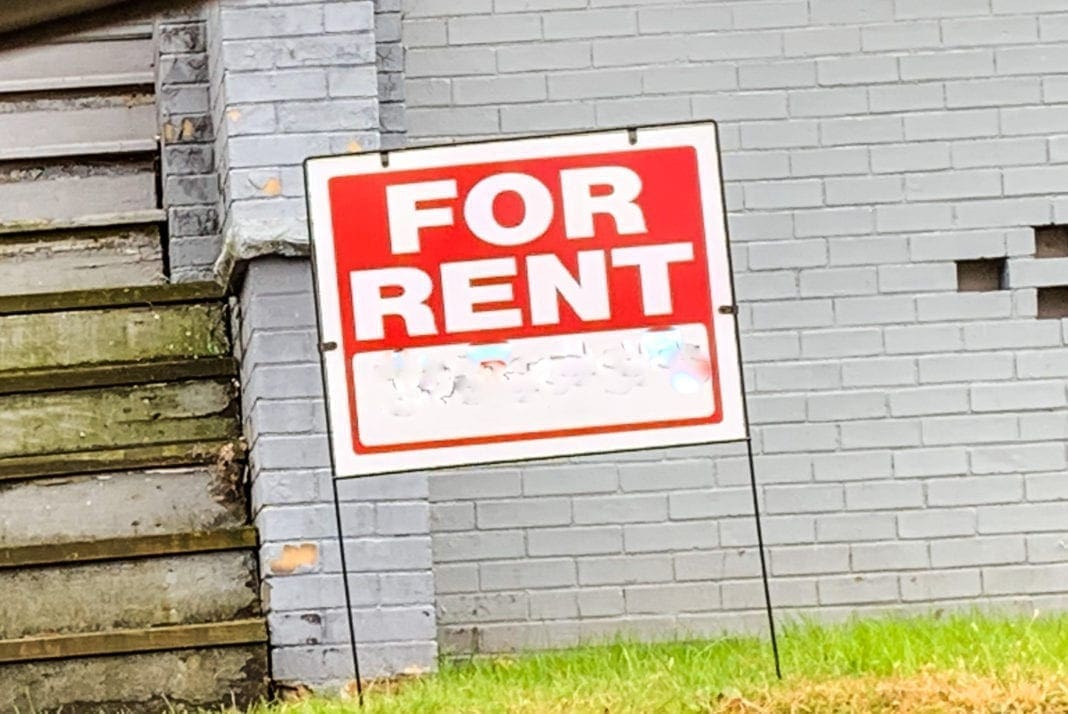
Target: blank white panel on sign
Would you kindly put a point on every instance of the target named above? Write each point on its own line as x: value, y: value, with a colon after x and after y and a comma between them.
x: 525, y: 299
x: 570, y: 382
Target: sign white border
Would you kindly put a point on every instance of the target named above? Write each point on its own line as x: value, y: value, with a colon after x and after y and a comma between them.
x: 702, y: 137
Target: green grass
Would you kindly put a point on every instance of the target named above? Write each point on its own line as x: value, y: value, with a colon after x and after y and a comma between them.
x: 715, y: 675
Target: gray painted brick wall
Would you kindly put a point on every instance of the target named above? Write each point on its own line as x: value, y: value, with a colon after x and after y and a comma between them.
x: 911, y: 439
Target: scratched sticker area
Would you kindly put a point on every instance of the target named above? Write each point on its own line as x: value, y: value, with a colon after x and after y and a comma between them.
x: 583, y: 381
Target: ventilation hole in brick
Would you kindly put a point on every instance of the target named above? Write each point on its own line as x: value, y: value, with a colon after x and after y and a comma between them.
x: 1051, y: 242
x: 980, y: 275
x: 1052, y: 303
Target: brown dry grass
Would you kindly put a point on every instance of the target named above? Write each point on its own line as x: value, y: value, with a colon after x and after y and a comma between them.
x: 928, y: 692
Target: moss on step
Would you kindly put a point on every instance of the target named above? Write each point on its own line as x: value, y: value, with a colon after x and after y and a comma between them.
x: 66, y: 339
x: 91, y: 419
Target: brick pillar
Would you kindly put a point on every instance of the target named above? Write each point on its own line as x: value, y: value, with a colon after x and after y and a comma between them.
x: 291, y: 81
x: 288, y: 82
x: 386, y: 519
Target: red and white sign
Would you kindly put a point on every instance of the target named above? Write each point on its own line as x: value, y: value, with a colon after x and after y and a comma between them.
x: 525, y: 299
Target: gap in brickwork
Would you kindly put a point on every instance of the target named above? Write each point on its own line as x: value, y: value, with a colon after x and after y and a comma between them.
x: 981, y: 275
x: 1051, y: 242
x: 1052, y: 303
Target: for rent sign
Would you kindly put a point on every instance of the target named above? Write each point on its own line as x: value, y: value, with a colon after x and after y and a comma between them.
x: 524, y: 299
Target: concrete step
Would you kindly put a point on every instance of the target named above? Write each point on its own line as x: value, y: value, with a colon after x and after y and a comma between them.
x: 149, y: 624
x: 123, y: 504
x: 70, y: 190
x: 65, y: 131
x: 139, y: 593
x: 83, y: 259
x: 115, y: 61
x: 190, y: 453
x: 86, y: 420
x: 54, y: 341
x: 149, y: 682
x: 128, y: 580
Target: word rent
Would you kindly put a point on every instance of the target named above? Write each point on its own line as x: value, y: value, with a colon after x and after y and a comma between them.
x: 484, y: 294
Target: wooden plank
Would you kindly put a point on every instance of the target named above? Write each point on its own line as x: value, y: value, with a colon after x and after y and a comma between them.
x: 91, y: 419
x: 73, y: 64
x: 144, y: 592
x: 86, y: 260
x: 159, y: 337
x: 68, y: 198
x: 116, y: 375
x: 153, y: 639
x: 22, y: 468
x: 125, y: 548
x: 21, y: 227
x: 125, y: 504
x: 72, y: 131
x: 140, y: 295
